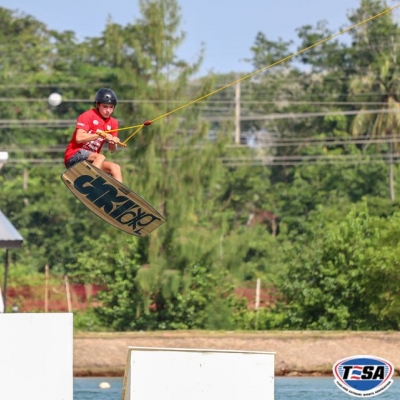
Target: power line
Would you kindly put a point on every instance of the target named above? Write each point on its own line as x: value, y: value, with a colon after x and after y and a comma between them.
x: 263, y: 141
x: 18, y: 123
x: 227, y: 101
x: 263, y: 161
x: 298, y: 115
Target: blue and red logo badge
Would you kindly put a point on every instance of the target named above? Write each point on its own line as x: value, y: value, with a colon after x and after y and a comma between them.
x: 363, y: 376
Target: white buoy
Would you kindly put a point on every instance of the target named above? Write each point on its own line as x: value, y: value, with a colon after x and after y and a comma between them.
x: 104, y: 385
x: 55, y: 99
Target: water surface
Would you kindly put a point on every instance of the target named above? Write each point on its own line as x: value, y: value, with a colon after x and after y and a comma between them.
x: 304, y: 388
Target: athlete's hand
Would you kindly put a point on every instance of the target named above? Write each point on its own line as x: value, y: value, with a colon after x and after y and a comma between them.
x: 113, y: 140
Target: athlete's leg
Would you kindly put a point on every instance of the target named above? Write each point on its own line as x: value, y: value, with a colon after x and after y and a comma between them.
x: 96, y: 159
x: 113, y: 169
x: 99, y: 161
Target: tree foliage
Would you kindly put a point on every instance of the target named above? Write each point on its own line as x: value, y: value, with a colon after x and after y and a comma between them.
x: 343, y: 280
x: 335, y: 259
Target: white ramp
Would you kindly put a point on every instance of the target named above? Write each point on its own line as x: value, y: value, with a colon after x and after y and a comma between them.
x: 36, y: 356
x: 182, y: 374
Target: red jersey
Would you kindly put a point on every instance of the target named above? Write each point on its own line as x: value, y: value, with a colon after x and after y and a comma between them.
x: 91, y: 121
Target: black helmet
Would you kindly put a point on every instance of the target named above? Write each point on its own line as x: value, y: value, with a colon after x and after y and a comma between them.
x: 106, y: 96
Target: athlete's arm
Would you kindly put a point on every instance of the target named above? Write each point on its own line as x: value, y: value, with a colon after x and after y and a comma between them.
x: 82, y: 136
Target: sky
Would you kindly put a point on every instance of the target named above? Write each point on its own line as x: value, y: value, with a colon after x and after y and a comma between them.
x: 226, y: 28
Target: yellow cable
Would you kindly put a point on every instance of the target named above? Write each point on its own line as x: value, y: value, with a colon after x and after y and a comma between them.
x: 254, y: 73
x: 133, y: 134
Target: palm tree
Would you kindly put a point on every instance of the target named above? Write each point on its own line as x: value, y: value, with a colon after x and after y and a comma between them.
x: 374, y: 57
x: 381, y: 86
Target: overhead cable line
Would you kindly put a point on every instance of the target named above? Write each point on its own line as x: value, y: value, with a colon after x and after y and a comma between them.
x: 19, y: 123
x: 148, y: 122
x: 265, y: 160
x: 230, y: 100
x: 299, y: 115
x: 263, y: 143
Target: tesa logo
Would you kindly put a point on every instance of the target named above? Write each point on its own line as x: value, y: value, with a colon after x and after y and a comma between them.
x: 363, y: 376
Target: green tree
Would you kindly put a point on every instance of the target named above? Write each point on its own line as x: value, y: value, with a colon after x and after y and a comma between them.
x: 377, y: 81
x: 340, y: 281
x: 169, y: 163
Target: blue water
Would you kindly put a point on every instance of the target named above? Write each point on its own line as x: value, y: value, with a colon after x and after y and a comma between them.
x: 285, y: 389
x: 88, y: 389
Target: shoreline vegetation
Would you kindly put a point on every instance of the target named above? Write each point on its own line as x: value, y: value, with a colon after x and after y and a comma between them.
x: 297, y: 353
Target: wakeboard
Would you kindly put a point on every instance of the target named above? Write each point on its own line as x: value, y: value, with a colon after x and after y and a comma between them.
x: 110, y: 200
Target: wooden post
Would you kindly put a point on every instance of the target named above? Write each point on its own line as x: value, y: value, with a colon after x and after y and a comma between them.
x: 258, y: 290
x: 25, y: 184
x: 67, y: 289
x: 1, y: 302
x: 46, y: 289
x: 257, y: 302
x: 88, y: 291
x: 6, y: 265
x: 391, y: 175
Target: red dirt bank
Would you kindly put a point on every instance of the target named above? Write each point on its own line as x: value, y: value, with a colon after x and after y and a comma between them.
x: 297, y: 353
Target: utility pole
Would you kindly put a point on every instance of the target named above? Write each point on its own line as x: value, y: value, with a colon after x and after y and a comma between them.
x: 391, y: 176
x: 237, y: 113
